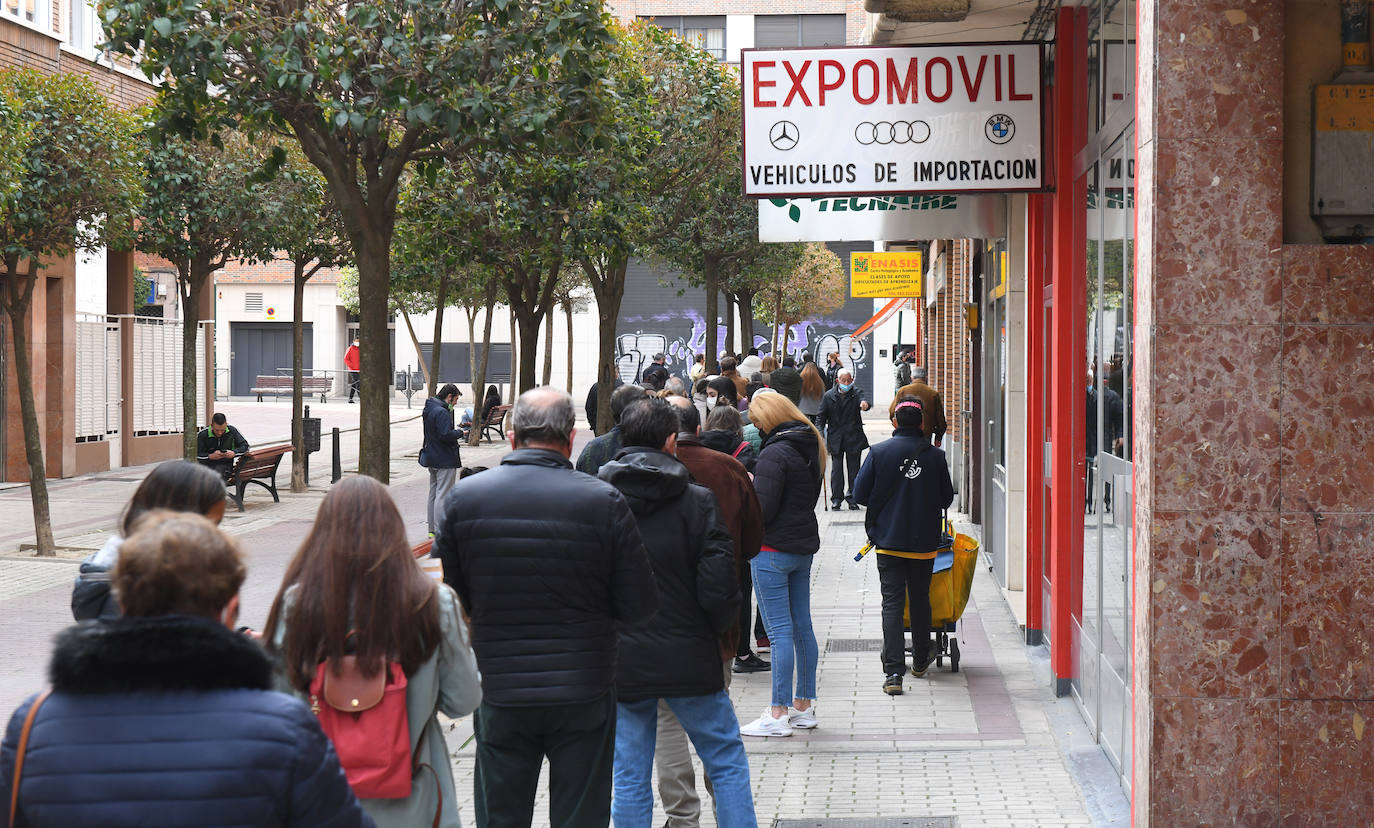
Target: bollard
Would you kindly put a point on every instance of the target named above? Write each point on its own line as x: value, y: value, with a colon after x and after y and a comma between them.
x: 305, y: 455
x: 338, y: 463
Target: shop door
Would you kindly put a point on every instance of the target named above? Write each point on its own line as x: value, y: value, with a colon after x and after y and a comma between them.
x: 995, y: 410
x: 1104, y: 691
x: 262, y: 349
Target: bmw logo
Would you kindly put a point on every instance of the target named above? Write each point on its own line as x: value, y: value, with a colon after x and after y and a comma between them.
x: 999, y: 129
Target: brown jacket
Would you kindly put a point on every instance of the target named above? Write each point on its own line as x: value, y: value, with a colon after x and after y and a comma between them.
x: 739, y: 507
x: 741, y: 383
x: 933, y: 409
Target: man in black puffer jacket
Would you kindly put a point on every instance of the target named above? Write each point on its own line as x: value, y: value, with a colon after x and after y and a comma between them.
x: 546, y: 561
x: 676, y: 657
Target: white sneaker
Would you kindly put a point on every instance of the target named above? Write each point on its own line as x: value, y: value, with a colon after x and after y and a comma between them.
x: 766, y: 725
x: 804, y: 719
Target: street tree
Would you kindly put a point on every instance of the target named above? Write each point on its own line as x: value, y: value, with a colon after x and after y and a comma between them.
x: 202, y: 207
x: 304, y: 226
x: 570, y: 295
x: 367, y: 89
x: 674, y: 102
x: 815, y: 286
x: 69, y: 180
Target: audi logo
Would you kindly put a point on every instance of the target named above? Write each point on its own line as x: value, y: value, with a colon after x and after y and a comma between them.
x: 892, y: 132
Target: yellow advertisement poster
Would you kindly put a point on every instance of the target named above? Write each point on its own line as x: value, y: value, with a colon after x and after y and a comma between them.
x: 885, y: 275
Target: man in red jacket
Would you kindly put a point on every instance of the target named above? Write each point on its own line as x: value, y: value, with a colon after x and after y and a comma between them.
x: 352, y: 364
x: 742, y: 518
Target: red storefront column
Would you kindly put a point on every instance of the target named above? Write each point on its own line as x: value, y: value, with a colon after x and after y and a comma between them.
x: 1067, y: 366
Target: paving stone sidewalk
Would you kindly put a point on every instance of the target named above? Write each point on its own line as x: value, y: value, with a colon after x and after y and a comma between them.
x: 987, y: 745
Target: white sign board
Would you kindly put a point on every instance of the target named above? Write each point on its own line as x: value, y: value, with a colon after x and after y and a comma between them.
x: 882, y: 218
x: 865, y: 120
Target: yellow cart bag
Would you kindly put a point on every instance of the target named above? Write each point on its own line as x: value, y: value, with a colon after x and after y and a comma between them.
x: 951, y: 582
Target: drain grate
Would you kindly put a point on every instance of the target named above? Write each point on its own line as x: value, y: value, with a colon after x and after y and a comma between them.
x: 870, y: 822
x: 853, y: 645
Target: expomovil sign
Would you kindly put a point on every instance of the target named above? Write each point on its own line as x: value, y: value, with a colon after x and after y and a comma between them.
x: 893, y: 119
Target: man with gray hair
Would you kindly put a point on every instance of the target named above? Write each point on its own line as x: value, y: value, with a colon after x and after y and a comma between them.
x: 546, y: 562
x: 933, y: 424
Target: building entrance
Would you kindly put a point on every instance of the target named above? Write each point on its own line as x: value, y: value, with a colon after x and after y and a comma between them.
x: 994, y: 408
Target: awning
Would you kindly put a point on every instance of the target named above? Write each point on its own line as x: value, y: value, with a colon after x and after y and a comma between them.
x: 881, y: 316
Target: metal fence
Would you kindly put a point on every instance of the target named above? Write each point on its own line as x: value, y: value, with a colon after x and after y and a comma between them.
x: 98, y: 373
x: 157, y: 402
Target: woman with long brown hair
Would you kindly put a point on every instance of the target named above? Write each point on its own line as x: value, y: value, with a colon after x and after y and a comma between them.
x: 813, y: 388
x: 354, y: 589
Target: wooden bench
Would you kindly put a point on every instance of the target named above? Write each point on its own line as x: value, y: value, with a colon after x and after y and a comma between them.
x: 496, y: 421
x: 277, y: 385
x: 259, y: 467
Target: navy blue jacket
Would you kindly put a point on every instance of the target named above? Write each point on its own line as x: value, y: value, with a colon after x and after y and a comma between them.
x: 546, y: 560
x: 440, y: 450
x: 905, y: 483
x: 169, y: 722
x: 787, y: 480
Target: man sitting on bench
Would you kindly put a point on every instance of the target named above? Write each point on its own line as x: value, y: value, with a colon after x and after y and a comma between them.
x: 218, y: 445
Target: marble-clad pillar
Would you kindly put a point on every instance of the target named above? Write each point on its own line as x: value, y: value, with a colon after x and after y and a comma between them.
x: 1254, y: 580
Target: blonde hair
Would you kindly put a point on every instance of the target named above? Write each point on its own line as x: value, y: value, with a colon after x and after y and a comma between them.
x: 768, y: 411
x: 769, y: 365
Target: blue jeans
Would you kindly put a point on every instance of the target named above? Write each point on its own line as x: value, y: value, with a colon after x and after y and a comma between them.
x: 711, y: 724
x: 782, y: 582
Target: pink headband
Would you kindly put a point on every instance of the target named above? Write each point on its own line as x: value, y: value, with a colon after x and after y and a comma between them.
x: 911, y: 404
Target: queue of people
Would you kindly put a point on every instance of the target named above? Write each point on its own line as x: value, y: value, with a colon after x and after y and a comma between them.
x: 563, y: 584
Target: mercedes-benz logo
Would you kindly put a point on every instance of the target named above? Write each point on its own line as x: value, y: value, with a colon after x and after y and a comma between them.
x: 784, y: 135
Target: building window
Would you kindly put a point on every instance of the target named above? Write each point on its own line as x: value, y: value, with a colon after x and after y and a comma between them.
x: 778, y: 31
x: 29, y: 11
x: 85, y: 33
x: 706, y: 32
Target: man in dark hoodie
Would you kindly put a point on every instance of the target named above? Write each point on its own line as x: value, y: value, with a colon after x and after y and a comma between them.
x: 694, y: 568
x: 905, y: 485
x: 786, y: 380
x: 440, y: 453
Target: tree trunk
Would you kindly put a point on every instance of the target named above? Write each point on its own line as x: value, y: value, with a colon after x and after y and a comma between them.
x: 711, y: 271
x: 568, y: 312
x: 297, y: 382
x: 548, y: 349
x: 436, y: 343
x: 608, y: 298
x: 479, y: 376
x: 198, y: 273
x: 729, y: 327
x: 777, y: 317
x: 746, y: 320
x: 18, y: 308
x: 415, y: 340
x: 515, y: 354
x: 472, y: 341
x: 374, y: 420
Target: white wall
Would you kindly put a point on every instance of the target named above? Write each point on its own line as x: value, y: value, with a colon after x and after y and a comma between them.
x: 321, y: 310
x: 1018, y: 354
x: 739, y: 34
x: 90, y: 281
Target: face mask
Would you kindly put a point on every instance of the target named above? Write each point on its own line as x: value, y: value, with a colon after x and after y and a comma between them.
x: 844, y: 389
x: 711, y: 402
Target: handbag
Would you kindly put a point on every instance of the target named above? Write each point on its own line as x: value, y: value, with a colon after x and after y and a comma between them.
x: 366, y: 719
x: 23, y: 746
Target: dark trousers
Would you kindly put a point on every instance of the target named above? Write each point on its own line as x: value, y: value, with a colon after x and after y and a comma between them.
x: 746, y: 588
x: 842, y: 473
x: 353, y: 377
x: 902, y: 580
x: 579, y: 741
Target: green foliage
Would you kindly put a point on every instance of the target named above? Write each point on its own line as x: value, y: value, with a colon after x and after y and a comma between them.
x: 814, y: 286
x: 69, y: 169
x: 203, y: 203
x: 299, y: 216
x: 143, y: 288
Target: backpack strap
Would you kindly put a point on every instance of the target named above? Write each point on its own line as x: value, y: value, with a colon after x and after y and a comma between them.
x: 23, y: 746
x: 739, y: 448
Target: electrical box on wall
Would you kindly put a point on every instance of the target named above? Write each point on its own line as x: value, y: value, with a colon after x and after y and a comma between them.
x: 1343, y: 161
